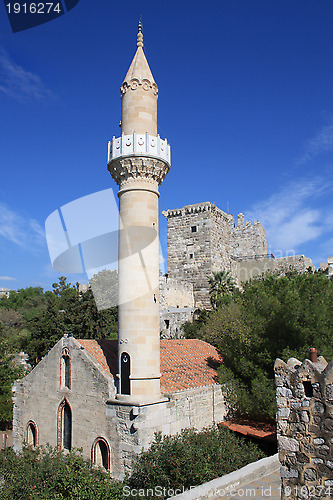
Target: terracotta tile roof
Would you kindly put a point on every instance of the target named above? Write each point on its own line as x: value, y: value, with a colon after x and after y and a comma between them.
x: 247, y: 427
x: 104, y: 351
x: 185, y: 363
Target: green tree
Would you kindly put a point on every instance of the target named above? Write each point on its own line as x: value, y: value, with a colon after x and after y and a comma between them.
x: 274, y: 316
x: 221, y: 288
x: 191, y: 458
x: 8, y: 373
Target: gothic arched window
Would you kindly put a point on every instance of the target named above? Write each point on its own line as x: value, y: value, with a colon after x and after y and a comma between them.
x: 64, y: 431
x: 125, y: 371
x: 65, y: 369
x: 32, y: 433
x: 101, y: 453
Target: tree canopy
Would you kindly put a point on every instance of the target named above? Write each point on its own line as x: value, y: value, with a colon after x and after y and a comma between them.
x: 274, y: 316
x: 32, y: 320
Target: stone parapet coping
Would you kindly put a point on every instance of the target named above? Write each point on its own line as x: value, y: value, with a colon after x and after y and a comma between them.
x: 231, y: 481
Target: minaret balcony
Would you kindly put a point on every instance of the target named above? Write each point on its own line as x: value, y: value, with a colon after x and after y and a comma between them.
x: 139, y: 144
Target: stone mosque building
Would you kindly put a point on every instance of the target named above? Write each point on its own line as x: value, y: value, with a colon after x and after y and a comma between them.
x: 110, y: 397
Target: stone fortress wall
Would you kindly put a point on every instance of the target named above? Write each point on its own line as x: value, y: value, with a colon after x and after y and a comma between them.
x: 327, y: 266
x: 202, y: 239
x: 176, y: 305
x: 304, y: 393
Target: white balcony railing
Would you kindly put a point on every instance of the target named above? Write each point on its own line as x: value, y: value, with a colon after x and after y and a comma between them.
x: 133, y: 144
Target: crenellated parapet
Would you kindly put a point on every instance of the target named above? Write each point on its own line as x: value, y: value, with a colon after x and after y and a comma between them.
x: 247, y: 239
x: 199, y: 208
x: 304, y: 394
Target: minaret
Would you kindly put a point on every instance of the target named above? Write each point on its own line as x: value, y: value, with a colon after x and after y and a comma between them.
x: 138, y: 161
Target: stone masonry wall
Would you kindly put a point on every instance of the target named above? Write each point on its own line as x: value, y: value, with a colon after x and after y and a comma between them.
x: 190, y: 233
x: 172, y: 320
x: 37, y: 398
x: 247, y: 239
x: 203, y: 239
x: 298, y: 263
x: 136, y: 425
x: 175, y: 293
x: 304, y: 393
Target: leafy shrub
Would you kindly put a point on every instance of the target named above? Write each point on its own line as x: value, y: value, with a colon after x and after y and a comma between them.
x: 47, y: 474
x: 191, y: 458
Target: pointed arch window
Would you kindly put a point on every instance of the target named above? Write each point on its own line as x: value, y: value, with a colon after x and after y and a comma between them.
x: 125, y: 371
x: 101, y: 453
x: 32, y: 434
x: 65, y: 369
x: 64, y: 428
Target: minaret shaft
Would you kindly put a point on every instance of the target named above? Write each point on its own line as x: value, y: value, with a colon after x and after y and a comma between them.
x: 138, y: 291
x: 138, y: 162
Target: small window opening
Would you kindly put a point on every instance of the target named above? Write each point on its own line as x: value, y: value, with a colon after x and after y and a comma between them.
x: 67, y: 427
x: 101, y: 454
x: 308, y: 389
x: 194, y: 229
x: 167, y: 323
x: 125, y: 371
x: 191, y: 255
x: 65, y: 369
x: 32, y: 434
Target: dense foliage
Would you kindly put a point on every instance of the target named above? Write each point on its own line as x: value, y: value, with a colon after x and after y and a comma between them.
x: 177, y: 462
x: 8, y: 373
x: 272, y: 317
x: 32, y: 321
x: 191, y: 458
x: 46, y: 474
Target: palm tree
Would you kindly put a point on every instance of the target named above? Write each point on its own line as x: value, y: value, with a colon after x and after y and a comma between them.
x: 222, y: 287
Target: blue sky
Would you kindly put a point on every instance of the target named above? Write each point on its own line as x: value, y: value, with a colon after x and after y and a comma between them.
x: 245, y: 100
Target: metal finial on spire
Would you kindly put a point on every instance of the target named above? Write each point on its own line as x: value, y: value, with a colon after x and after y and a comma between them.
x: 139, y: 37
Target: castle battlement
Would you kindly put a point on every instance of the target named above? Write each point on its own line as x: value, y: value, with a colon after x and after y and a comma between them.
x: 199, y: 208
x: 202, y: 239
x: 304, y: 395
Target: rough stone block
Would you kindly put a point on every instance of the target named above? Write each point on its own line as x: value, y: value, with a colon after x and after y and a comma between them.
x: 283, y: 412
x: 310, y: 474
x: 288, y: 473
x: 288, y: 444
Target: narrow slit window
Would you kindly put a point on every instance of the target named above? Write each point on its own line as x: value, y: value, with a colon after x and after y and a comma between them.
x: 65, y: 369
x: 194, y: 229
x: 64, y: 432
x: 308, y: 389
x: 125, y: 371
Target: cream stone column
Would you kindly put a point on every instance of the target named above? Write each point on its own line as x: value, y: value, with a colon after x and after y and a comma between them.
x: 138, y: 161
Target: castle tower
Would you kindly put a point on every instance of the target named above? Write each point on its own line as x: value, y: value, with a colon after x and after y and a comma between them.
x: 138, y: 161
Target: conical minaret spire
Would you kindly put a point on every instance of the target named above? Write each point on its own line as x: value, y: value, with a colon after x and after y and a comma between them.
x: 139, y: 94
x: 138, y: 161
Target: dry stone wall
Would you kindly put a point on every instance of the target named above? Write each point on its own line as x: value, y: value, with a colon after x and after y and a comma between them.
x: 304, y: 393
